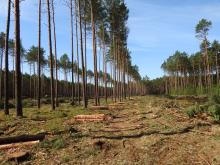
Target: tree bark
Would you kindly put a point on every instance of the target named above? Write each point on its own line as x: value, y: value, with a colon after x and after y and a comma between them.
x: 21, y: 138
x: 6, y: 109
x: 72, y: 52
x: 82, y: 58
x: 217, y: 69
x: 18, y: 58
x: 85, y: 55
x: 77, y: 53
x: 55, y: 54
x: 39, y: 56
x: 51, y: 57
x: 94, y: 55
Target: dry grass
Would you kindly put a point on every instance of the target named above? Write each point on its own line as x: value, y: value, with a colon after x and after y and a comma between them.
x: 148, y: 130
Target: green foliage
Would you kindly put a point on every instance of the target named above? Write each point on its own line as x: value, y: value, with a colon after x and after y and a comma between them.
x: 194, y: 110
x: 204, y: 108
x: 202, y: 28
x: 191, y: 111
x: 46, y: 100
x: 214, y: 99
x: 32, y: 55
x: 212, y: 107
x: 198, y: 91
x: 55, y: 144
x: 214, y: 111
x: 28, y: 103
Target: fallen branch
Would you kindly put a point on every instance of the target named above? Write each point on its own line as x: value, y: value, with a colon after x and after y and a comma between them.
x: 16, y: 145
x: 151, y: 132
x: 99, y: 107
x: 21, y: 138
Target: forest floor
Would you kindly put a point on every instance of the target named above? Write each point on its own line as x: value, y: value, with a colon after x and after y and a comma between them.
x: 144, y: 130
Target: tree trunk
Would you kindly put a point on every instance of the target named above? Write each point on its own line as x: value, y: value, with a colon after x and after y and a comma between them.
x: 17, y: 53
x: 30, y: 86
x: 34, y: 80
x: 51, y: 57
x: 94, y: 55
x: 39, y: 56
x: 82, y: 58
x: 1, y: 62
x: 217, y: 69
x: 72, y: 52
x: 55, y: 54
x: 13, y: 65
x: 77, y: 53
x: 85, y: 54
x: 6, y: 109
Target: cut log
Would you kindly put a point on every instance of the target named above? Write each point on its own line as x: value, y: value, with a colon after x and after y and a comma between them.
x: 21, y: 138
x: 115, y: 107
x: 16, y: 145
x: 99, y: 107
x: 88, y: 118
x: 121, y: 103
x: 96, y: 116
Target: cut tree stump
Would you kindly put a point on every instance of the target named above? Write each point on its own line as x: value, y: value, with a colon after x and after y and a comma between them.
x: 16, y: 145
x: 21, y: 138
x: 99, y: 107
x: 18, y: 156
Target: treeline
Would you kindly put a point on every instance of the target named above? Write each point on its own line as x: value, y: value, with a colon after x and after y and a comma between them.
x: 194, y: 74
x: 30, y: 88
x: 69, y: 76
x: 152, y: 87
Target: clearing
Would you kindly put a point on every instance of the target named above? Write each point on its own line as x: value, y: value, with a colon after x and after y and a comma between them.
x: 143, y: 130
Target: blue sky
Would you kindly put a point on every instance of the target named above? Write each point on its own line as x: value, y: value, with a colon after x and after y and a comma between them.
x: 157, y: 29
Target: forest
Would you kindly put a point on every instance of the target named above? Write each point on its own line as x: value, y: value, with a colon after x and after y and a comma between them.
x: 197, y: 73
x: 66, y: 76
x: 93, y: 105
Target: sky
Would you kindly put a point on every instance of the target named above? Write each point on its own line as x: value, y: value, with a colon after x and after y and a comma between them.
x: 157, y: 29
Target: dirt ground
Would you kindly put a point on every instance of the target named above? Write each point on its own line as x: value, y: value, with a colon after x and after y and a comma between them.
x: 145, y: 130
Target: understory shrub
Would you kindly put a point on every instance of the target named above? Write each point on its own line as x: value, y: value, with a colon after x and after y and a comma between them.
x: 212, y: 108
x: 193, y: 110
x: 196, y: 109
x: 28, y: 103
x: 214, y: 111
x: 10, y: 105
x: 215, y: 99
